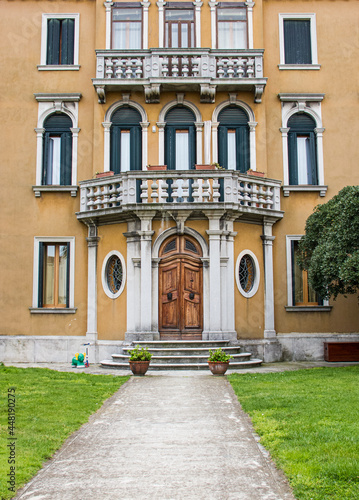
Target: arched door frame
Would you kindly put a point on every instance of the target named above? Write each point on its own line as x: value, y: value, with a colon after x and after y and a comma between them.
x: 155, y: 274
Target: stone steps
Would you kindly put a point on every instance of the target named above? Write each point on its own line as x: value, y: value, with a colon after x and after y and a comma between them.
x: 182, y: 355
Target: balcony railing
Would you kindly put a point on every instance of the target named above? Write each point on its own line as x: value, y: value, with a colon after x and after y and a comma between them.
x: 109, y: 198
x: 203, y: 69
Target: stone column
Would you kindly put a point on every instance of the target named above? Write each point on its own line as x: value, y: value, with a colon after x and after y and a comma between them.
x: 319, y: 134
x: 92, y: 243
x: 197, y: 5
x: 145, y: 6
x: 250, y: 6
x: 161, y: 142
x: 230, y: 281
x: 199, y: 134
x: 267, y: 238
x: 284, y: 132
x: 133, y: 279
x: 214, y: 142
x: 144, y: 126
x: 39, y: 153
x: 252, y: 144
x: 146, y: 272
x: 213, y: 6
x: 106, y: 146
x: 161, y: 22
x: 75, y: 135
x: 108, y: 5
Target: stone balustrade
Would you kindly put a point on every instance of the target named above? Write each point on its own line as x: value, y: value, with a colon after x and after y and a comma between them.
x: 190, y: 190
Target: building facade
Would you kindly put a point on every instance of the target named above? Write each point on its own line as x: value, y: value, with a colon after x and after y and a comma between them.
x: 170, y: 154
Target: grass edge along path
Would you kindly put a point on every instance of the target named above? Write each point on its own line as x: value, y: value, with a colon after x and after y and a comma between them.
x: 308, y: 421
x: 39, y: 410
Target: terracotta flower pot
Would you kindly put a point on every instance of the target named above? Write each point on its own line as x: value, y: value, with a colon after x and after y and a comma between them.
x: 205, y: 167
x: 139, y: 367
x: 157, y: 167
x: 217, y: 367
x: 104, y: 174
x: 255, y: 173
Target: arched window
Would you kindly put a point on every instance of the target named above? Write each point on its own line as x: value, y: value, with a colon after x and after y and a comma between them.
x: 233, y: 139
x: 125, y: 140
x: 180, y: 139
x: 57, y: 150
x: 302, y: 154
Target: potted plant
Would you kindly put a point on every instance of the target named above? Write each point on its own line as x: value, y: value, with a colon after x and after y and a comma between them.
x: 139, y: 360
x: 99, y: 175
x: 255, y: 173
x: 156, y: 167
x: 218, y: 361
x: 204, y: 167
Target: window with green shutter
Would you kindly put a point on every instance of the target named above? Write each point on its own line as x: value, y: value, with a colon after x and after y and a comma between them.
x: 302, y: 150
x: 297, y: 41
x: 60, y: 41
x: 57, y: 150
x: 233, y: 139
x: 125, y: 140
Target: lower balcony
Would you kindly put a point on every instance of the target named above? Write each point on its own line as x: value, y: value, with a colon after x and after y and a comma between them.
x: 194, y: 193
x: 204, y: 70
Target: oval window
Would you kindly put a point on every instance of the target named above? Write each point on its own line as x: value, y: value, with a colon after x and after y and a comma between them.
x: 247, y: 273
x: 113, y: 274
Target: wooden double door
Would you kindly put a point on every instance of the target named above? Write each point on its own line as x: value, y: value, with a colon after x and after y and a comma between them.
x: 180, y: 290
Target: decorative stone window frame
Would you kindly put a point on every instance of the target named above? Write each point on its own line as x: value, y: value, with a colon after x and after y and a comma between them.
x: 161, y: 22
x: 59, y: 67
x: 35, y: 290
x: 290, y: 306
x: 251, y: 123
x: 310, y: 104
x: 313, y: 39
x: 108, y: 6
x: 48, y: 105
x: 107, y: 127
x: 255, y: 286
x: 113, y: 253
x: 162, y: 123
x: 214, y: 5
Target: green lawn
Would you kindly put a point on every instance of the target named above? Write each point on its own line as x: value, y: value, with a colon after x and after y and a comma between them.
x: 309, y: 421
x: 49, y: 407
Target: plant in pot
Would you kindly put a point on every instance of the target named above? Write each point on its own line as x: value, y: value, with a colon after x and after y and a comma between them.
x: 218, y: 361
x: 139, y: 360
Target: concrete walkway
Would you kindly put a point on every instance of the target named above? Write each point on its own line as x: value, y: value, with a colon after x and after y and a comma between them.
x: 179, y: 436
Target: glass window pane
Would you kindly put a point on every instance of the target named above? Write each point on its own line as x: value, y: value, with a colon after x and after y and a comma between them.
x: 246, y: 273
x: 129, y: 14
x: 125, y: 150
x: 174, y: 36
x: 126, y: 36
x: 53, y: 164
x: 298, y: 278
x: 182, y: 150
x: 62, y: 275
x: 312, y: 295
x: 179, y: 15
x: 232, y: 14
x: 302, y: 157
x: 231, y: 145
x: 184, y: 36
x: 232, y: 35
x: 49, y: 275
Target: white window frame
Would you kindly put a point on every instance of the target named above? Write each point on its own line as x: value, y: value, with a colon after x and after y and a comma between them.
x: 255, y: 286
x: 49, y: 104
x: 104, y: 277
x: 290, y: 306
x: 35, y: 290
x: 313, y: 39
x: 59, y: 67
x: 310, y: 104
x: 108, y: 6
x: 213, y: 6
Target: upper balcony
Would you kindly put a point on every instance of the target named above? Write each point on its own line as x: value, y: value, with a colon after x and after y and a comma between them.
x: 206, y: 71
x: 190, y: 192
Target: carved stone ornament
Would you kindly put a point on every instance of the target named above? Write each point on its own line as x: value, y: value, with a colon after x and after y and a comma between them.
x: 100, y: 89
x: 152, y: 93
x: 208, y: 93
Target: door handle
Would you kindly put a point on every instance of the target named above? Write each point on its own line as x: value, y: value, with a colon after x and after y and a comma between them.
x: 169, y: 296
x: 191, y: 295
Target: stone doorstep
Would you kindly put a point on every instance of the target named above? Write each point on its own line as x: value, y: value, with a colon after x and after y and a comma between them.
x: 245, y: 356
x: 183, y: 366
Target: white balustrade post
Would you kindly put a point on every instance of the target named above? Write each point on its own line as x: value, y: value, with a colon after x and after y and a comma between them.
x: 108, y: 6
x: 39, y: 153
x: 146, y: 270
x: 161, y: 22
x: 92, y: 243
x: 250, y: 6
x: 213, y: 6
x: 145, y: 6
x: 252, y: 144
x: 267, y: 238
x: 144, y: 126
x: 197, y: 5
x: 106, y: 146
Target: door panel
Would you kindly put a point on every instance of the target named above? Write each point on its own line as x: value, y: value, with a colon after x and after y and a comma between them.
x: 169, y: 299
x: 191, y: 296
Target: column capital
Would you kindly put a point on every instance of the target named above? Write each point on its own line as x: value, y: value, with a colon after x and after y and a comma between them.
x: 39, y: 130
x: 145, y: 125
x: 106, y: 125
x: 250, y: 5
x: 146, y: 5
x: 161, y: 125
x: 212, y: 5
x: 92, y: 241
x: 267, y: 240
x: 198, y: 4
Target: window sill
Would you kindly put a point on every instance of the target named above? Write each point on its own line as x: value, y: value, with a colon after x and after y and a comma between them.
x: 51, y: 189
x: 52, y: 310
x: 304, y: 188
x: 308, y: 308
x: 299, y: 66
x: 60, y: 67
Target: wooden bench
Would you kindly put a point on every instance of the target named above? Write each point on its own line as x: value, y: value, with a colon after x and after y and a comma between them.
x: 341, y: 351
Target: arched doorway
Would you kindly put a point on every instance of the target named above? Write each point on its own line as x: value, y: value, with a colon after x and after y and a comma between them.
x: 180, y: 289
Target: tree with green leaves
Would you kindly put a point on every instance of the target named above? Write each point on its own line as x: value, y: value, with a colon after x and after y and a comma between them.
x: 329, y: 251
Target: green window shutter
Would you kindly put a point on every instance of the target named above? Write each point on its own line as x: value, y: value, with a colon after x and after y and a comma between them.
x: 115, y: 149
x: 312, y: 160
x: 292, y: 158
x: 68, y: 276
x: 192, y: 146
x: 40, y: 300
x: 170, y: 147
x: 53, y: 41
x: 222, y: 146
x: 242, y: 147
x: 67, y: 41
x: 66, y: 159
x: 45, y: 159
x: 297, y: 42
x: 135, y: 148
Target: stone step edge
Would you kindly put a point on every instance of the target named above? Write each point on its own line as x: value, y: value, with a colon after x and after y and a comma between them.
x: 179, y: 342
x: 239, y: 355
x: 189, y: 349
x: 197, y: 366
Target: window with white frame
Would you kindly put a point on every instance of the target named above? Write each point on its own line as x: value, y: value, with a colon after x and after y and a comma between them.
x: 126, y: 25
x: 113, y: 274
x: 53, y: 282
x: 302, y: 150
x: 247, y: 273
x: 60, y: 42
x: 298, y: 41
x: 301, y: 295
x: 57, y: 156
x: 232, y: 26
